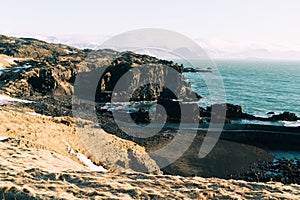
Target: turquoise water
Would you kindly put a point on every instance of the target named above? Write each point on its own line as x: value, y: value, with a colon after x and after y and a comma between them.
x: 258, y: 86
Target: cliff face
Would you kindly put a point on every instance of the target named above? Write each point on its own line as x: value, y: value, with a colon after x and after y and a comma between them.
x: 145, y: 83
x: 39, y: 68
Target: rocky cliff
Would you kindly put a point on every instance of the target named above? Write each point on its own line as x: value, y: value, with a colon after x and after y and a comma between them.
x: 39, y: 68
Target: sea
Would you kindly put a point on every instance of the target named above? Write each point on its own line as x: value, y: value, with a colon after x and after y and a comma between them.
x: 258, y: 86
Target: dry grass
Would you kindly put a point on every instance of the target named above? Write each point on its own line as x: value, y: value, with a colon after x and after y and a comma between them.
x: 8, y: 61
x: 35, y: 164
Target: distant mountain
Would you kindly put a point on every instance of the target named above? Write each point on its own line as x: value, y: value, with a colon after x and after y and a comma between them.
x: 215, y: 48
x: 81, y: 42
x: 225, y: 49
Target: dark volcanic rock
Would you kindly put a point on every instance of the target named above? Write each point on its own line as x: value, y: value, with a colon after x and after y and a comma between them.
x: 232, y: 112
x: 146, y: 79
x: 176, y: 111
x: 50, y: 68
x: 282, y: 170
x: 286, y: 116
x: 236, y: 112
x: 49, y: 80
x: 53, y: 68
x: 141, y: 116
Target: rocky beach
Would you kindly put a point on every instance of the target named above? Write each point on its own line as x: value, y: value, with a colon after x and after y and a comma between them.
x: 45, y: 154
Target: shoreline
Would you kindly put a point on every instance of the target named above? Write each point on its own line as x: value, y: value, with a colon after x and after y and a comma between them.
x: 45, y: 122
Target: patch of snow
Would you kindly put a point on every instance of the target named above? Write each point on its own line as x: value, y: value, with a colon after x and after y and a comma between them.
x: 70, y: 150
x: 11, y: 60
x: 37, y: 114
x: 90, y: 164
x: 26, y: 66
x: 69, y: 52
x: 85, y: 160
x: 14, y: 69
x: 6, y: 99
x: 3, y: 139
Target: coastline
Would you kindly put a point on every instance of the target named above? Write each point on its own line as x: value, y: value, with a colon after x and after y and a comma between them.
x: 47, y: 92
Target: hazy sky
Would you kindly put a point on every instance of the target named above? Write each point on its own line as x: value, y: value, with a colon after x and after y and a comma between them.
x: 264, y: 21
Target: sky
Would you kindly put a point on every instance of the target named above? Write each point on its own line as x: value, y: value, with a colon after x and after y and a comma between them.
x: 223, y: 27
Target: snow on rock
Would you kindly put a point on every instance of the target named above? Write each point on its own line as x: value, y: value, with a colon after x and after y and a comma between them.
x: 85, y: 160
x: 3, y: 139
x: 37, y: 114
x: 6, y: 99
x: 70, y: 52
x: 90, y: 164
x: 25, y: 66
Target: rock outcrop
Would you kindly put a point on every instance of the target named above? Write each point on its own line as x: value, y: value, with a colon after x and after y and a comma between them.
x: 51, y: 69
x: 45, y: 69
x: 285, y: 116
x: 145, y: 83
x: 234, y: 112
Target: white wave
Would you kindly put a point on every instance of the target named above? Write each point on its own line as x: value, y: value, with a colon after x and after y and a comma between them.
x: 291, y: 124
x: 6, y: 99
x: 258, y: 122
x: 279, y: 154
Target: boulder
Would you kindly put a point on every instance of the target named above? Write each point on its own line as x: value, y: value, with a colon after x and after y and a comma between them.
x: 285, y: 116
x: 141, y: 116
x: 232, y: 111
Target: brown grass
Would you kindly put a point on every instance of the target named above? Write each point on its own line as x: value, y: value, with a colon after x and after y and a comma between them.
x: 35, y: 163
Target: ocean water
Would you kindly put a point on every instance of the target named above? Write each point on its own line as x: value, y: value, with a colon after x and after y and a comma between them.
x: 258, y: 86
